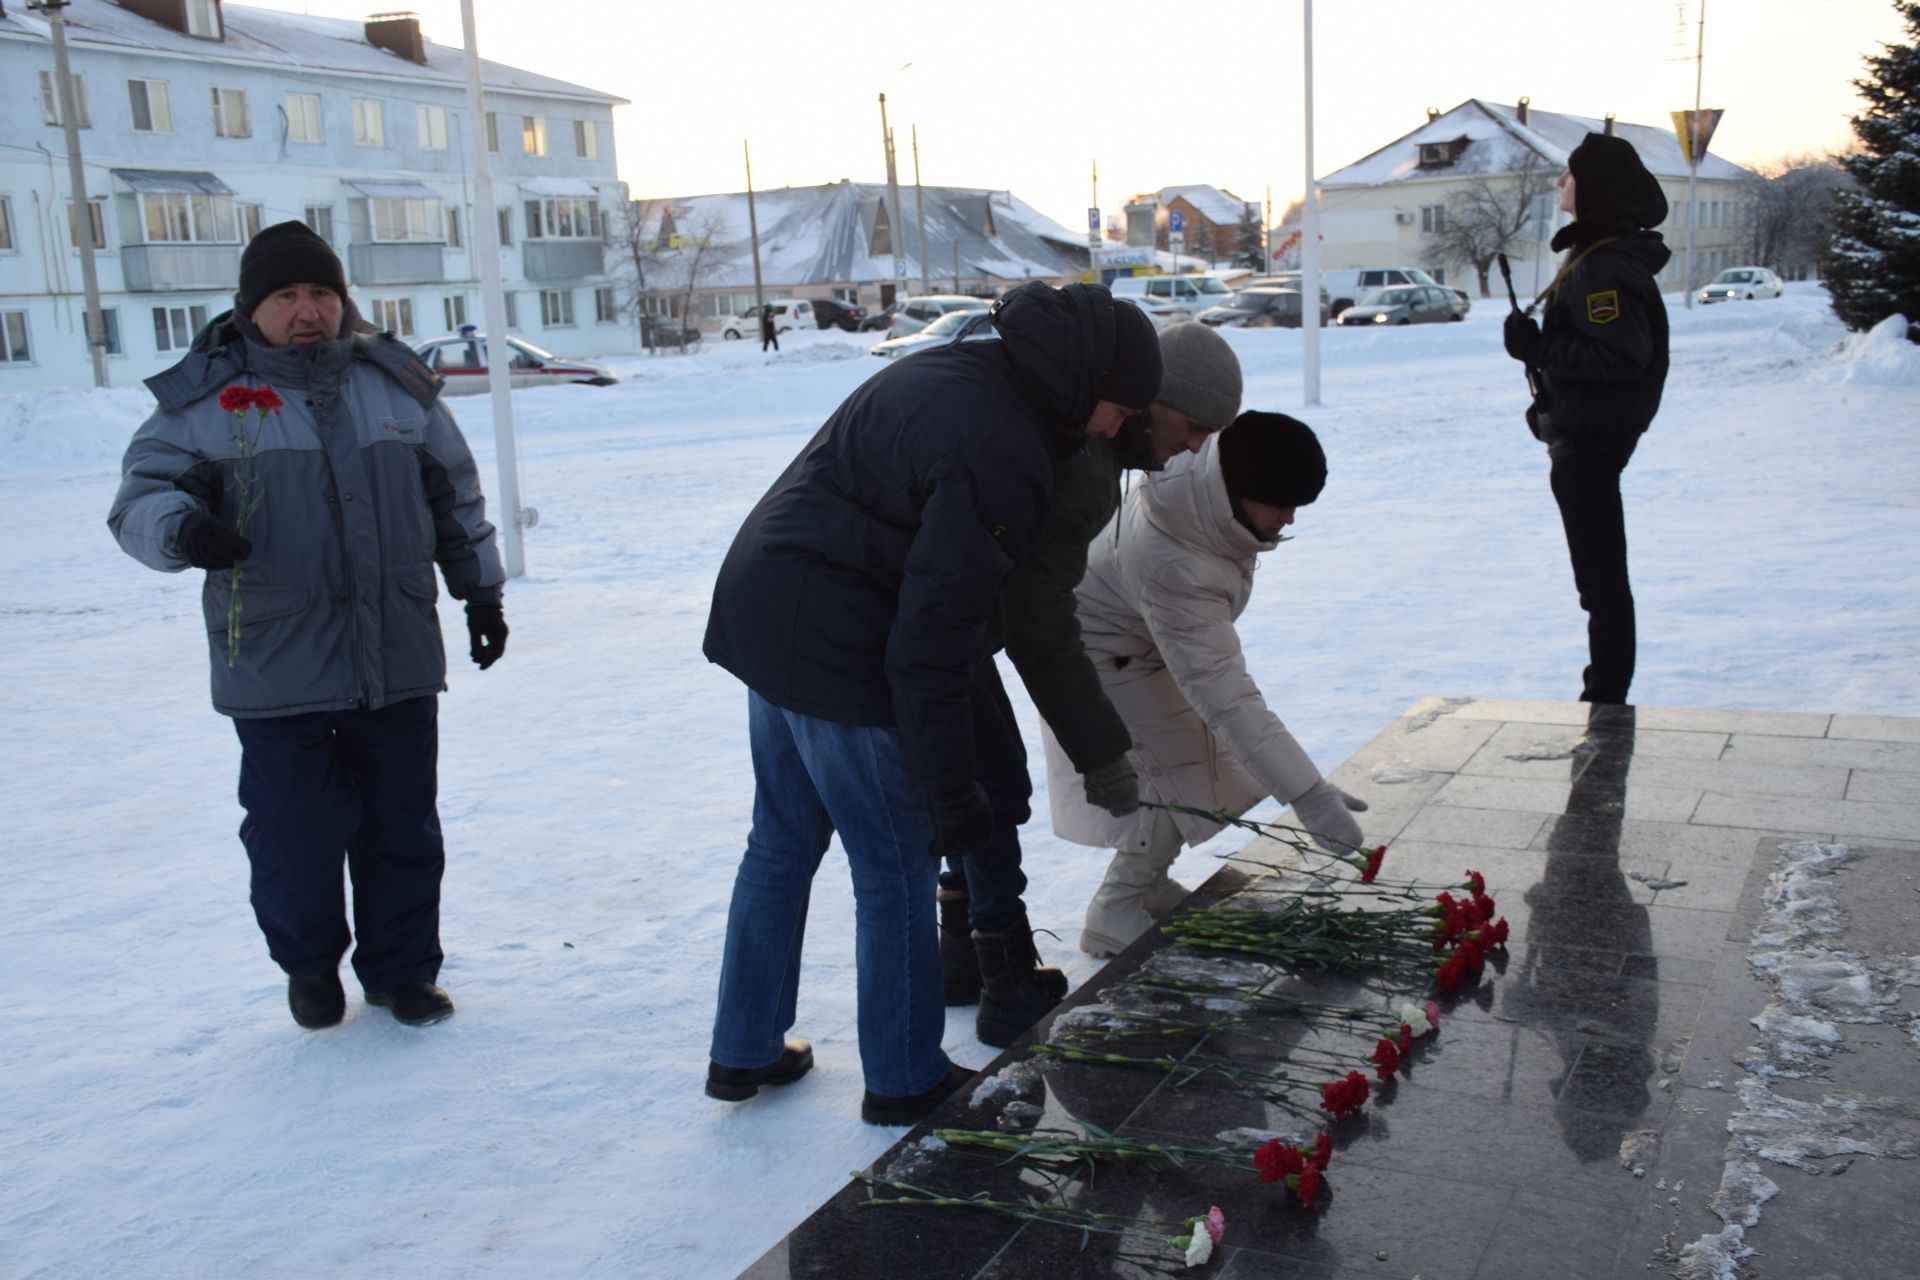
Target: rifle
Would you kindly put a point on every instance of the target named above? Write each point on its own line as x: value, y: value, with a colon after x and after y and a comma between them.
x: 1538, y: 420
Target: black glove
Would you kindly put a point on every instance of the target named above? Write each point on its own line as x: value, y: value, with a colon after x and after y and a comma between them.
x: 208, y: 544
x: 962, y: 822
x: 1114, y: 787
x: 1522, y: 335
x: 487, y: 628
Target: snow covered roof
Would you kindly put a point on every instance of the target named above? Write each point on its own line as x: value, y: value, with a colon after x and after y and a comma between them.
x: 1496, y: 142
x: 291, y: 41
x: 1222, y: 208
x: 823, y: 235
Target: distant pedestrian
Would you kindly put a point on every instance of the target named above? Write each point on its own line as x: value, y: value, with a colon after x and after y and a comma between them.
x: 1601, y: 364
x: 769, y: 332
x: 856, y: 605
x: 352, y: 489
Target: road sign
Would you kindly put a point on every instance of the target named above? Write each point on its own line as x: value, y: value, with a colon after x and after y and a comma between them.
x: 1176, y: 222
x: 900, y: 268
x: 1093, y: 219
x: 1176, y: 242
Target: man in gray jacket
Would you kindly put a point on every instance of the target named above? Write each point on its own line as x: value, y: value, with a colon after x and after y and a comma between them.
x: 309, y: 467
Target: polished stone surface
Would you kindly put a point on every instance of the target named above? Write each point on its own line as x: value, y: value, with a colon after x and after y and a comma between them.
x: 1571, y: 1119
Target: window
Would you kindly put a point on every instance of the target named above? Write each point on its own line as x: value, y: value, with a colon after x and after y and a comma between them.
x: 177, y: 217
x: 493, y: 131
x: 453, y: 228
x: 249, y: 221
x: 393, y: 315
x: 506, y: 228
x: 6, y: 226
x: 533, y: 134
x: 203, y: 19
x: 303, y: 117
x: 603, y: 312
x: 230, y: 114
x: 432, y: 122
x: 13, y: 338
x: 152, y: 109
x: 319, y: 219
x: 586, y: 139
x: 50, y: 100
x: 456, y: 308
x: 96, y: 216
x: 174, y: 327
x: 563, y: 218
x: 513, y: 309
x: 1433, y: 219
x: 110, y: 320
x: 369, y: 123
x: 402, y: 218
x: 556, y: 308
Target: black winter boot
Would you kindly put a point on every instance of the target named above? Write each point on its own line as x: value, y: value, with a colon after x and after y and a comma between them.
x: 959, y: 967
x: 1015, y: 992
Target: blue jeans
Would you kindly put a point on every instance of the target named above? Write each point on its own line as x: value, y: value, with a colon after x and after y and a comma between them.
x: 993, y: 877
x: 811, y: 778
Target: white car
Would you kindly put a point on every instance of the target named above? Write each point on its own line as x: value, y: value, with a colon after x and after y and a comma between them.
x: 788, y: 313
x: 956, y: 326
x: 917, y: 313
x: 461, y: 359
x: 1169, y: 299
x: 1740, y: 283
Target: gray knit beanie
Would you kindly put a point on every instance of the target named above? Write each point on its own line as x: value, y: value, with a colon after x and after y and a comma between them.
x: 1200, y: 374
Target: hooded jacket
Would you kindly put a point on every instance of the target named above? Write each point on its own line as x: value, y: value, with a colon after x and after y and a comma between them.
x: 365, y: 484
x: 862, y: 586
x: 1157, y: 611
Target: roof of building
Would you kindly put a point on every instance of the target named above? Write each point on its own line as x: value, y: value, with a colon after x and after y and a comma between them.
x: 291, y: 41
x: 823, y: 235
x: 1498, y: 143
x: 1220, y: 207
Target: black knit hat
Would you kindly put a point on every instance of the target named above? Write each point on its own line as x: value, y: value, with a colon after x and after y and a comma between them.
x: 1611, y: 183
x: 1133, y: 379
x: 286, y: 253
x: 1272, y: 458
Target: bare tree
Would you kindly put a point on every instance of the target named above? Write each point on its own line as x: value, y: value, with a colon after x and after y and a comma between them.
x: 666, y: 254
x: 1790, y: 199
x: 1485, y: 216
x: 642, y: 252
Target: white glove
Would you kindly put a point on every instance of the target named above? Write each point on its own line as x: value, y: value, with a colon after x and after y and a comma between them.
x: 1324, y: 812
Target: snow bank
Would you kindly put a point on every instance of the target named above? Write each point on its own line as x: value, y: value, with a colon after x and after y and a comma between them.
x: 67, y: 427
x: 1882, y: 356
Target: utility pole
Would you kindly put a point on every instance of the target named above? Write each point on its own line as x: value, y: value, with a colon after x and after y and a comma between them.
x: 892, y: 205
x: 1094, y: 235
x: 493, y: 303
x: 920, y: 215
x: 1309, y: 241
x: 1266, y: 240
x: 1694, y: 134
x: 96, y: 320
x: 753, y: 229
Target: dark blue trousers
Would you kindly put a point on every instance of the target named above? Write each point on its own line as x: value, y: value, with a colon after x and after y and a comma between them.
x: 993, y: 877
x: 357, y: 786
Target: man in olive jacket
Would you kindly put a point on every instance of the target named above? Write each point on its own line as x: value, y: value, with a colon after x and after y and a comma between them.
x: 325, y: 645
x: 856, y: 604
x: 1601, y: 362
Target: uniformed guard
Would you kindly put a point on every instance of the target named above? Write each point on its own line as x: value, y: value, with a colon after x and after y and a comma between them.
x: 1599, y: 367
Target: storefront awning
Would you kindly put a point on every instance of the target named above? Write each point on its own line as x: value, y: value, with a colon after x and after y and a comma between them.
x: 395, y: 190
x: 558, y: 187
x: 202, y: 184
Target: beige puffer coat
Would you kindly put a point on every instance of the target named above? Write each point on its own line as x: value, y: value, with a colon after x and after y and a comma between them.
x: 1157, y: 609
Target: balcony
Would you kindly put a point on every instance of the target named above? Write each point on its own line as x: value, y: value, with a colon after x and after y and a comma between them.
x: 404, y: 263
x: 546, y: 260
x: 160, y: 268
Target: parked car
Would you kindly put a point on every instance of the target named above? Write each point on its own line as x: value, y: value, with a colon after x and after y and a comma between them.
x: 834, y: 314
x: 1167, y: 299
x: 1347, y: 285
x: 883, y: 317
x: 1742, y: 283
x: 788, y: 313
x: 1406, y: 304
x: 461, y: 359
x: 917, y: 313
x: 658, y: 331
x: 1262, y: 308
x: 956, y: 326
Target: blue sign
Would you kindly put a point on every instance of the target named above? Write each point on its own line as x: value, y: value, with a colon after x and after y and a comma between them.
x: 1175, y: 221
x: 1093, y: 219
x: 900, y: 268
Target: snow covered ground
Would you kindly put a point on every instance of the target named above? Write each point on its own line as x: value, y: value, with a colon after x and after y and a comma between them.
x: 164, y: 1117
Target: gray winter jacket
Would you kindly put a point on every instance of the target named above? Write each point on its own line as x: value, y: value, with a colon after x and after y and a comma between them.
x: 365, y: 483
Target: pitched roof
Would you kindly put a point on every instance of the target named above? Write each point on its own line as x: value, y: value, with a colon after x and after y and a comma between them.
x: 1222, y: 208
x: 295, y: 43
x: 822, y: 235
x: 1498, y: 143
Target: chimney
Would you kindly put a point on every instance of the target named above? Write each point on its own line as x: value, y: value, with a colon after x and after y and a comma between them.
x: 1521, y: 112
x: 398, y: 33
x: 1433, y: 113
x: 1607, y: 125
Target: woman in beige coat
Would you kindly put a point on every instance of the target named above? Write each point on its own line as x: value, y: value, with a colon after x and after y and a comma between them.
x: 1157, y: 610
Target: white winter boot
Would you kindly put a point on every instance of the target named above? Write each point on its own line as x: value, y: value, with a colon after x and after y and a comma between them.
x: 1136, y: 893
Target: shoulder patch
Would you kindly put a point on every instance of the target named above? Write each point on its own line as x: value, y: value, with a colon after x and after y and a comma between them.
x: 999, y: 529
x: 1603, y: 307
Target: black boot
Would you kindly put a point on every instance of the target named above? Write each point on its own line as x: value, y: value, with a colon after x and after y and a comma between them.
x: 415, y: 1003
x: 959, y: 967
x: 316, y: 999
x: 1015, y: 992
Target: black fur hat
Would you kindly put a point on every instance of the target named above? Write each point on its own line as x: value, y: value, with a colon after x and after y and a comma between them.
x: 1272, y: 458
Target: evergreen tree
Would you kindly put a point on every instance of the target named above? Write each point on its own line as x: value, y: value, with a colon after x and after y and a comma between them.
x: 1872, y: 261
x: 1250, y: 240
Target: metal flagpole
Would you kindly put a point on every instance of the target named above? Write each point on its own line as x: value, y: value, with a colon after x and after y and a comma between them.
x: 96, y: 320
x: 920, y: 214
x: 1693, y: 151
x: 493, y: 302
x: 1309, y: 241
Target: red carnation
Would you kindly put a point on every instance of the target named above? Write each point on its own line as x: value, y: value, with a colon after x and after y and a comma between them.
x: 1476, y: 882
x: 1386, y: 1058
x: 264, y: 399
x: 1372, y: 868
x: 1271, y: 1160
x: 1451, y: 970
x: 1342, y: 1096
x: 236, y: 399
x: 1496, y: 935
x: 1484, y: 905
x: 1322, y: 1150
x: 1471, y: 954
x: 1308, y: 1189
x: 1406, y: 1036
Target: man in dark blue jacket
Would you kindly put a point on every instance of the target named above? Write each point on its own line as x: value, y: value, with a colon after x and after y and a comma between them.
x: 855, y: 604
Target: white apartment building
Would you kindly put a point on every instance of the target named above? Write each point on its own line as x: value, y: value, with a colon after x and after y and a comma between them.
x: 202, y: 122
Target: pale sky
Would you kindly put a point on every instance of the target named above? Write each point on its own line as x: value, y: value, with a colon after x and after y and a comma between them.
x: 1027, y: 96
